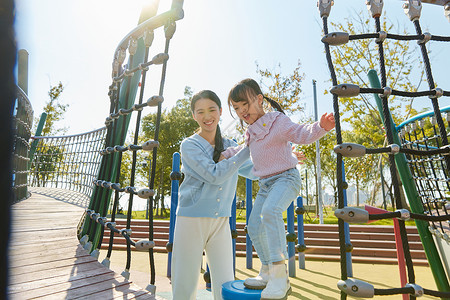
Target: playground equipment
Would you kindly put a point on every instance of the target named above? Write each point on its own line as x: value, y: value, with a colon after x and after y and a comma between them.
x: 122, y: 92
x: 397, y: 152
x: 78, y: 172
x: 22, y: 122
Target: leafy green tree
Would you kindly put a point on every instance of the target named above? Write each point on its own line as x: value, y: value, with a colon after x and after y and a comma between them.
x: 47, y: 165
x: 286, y: 90
x: 55, y: 111
x: 327, y: 163
x: 176, y: 124
x: 48, y: 158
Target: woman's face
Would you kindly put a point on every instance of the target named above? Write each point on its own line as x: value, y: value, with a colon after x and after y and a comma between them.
x: 207, y: 114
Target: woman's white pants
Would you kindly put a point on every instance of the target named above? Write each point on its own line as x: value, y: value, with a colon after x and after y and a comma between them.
x: 193, y: 235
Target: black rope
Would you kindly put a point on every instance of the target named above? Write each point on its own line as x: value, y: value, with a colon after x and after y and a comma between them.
x: 397, y: 214
x: 392, y: 167
x: 434, y: 101
x: 339, y: 166
x: 436, y: 293
x: 402, y: 93
x: 154, y: 157
x: 394, y: 291
x: 399, y: 37
x: 426, y: 152
x: 410, y: 290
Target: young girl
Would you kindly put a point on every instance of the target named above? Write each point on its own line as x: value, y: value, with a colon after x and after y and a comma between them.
x: 205, y: 200
x: 268, y: 136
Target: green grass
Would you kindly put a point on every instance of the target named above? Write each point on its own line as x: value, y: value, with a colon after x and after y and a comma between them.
x: 308, y: 218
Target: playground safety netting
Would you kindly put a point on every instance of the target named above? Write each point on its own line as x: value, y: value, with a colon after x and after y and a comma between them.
x: 418, y: 158
x: 429, y: 173
x: 22, y: 122
x: 66, y: 163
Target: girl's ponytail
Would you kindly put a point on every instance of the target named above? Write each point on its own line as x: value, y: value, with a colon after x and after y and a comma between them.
x: 274, y: 104
x: 218, y: 148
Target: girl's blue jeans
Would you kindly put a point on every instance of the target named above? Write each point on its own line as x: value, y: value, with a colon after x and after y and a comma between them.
x: 266, y: 226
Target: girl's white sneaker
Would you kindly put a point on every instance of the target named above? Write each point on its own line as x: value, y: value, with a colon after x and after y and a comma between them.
x: 278, y: 286
x: 259, y: 282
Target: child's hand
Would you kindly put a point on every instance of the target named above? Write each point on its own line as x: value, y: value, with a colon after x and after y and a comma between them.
x: 300, y: 156
x: 327, y: 121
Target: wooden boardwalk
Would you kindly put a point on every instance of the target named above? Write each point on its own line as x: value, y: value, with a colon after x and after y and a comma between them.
x: 47, y: 262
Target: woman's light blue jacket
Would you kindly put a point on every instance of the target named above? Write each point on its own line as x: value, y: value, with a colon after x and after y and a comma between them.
x: 208, y: 188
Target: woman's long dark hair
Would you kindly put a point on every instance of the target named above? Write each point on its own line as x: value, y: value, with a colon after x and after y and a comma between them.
x: 247, y: 88
x: 207, y: 94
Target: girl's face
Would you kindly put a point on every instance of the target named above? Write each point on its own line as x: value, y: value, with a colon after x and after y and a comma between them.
x: 249, y: 111
x: 207, y: 114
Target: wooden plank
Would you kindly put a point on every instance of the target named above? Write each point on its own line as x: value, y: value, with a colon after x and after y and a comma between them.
x: 65, y: 277
x: 82, y: 286
x: 55, y: 255
x: 35, y: 244
x: 42, y: 235
x: 130, y: 291
x: 52, y: 265
x: 107, y: 288
x: 45, y: 274
x: 49, y: 248
x: 47, y: 261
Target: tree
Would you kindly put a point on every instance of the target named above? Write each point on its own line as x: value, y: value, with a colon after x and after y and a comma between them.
x: 55, y: 111
x: 286, y: 90
x: 49, y: 158
x: 327, y: 162
x: 176, y: 124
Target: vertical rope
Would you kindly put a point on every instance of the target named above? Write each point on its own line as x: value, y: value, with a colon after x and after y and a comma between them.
x: 392, y: 167
x: 434, y: 101
x: 339, y: 169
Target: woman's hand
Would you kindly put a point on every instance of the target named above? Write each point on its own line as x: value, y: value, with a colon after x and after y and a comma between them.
x: 327, y: 121
x: 221, y: 157
x: 300, y: 156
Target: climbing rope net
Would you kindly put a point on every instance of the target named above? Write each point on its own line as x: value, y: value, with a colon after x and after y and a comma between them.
x: 429, y: 173
x: 126, y: 80
x: 424, y: 149
x: 22, y: 121
x: 67, y: 162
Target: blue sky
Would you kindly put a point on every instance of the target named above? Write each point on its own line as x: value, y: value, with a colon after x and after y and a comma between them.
x: 217, y: 44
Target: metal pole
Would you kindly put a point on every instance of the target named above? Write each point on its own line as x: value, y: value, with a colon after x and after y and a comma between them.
x: 301, y: 234
x: 319, y: 181
x: 291, y: 245
x: 248, y: 211
x: 173, y: 208
x: 22, y: 78
x: 382, y: 186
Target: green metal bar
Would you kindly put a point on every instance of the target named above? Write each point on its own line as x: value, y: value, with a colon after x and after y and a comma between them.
x: 39, y: 129
x: 414, y: 200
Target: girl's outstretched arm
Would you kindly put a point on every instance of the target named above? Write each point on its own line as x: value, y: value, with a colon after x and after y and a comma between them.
x: 203, y: 167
